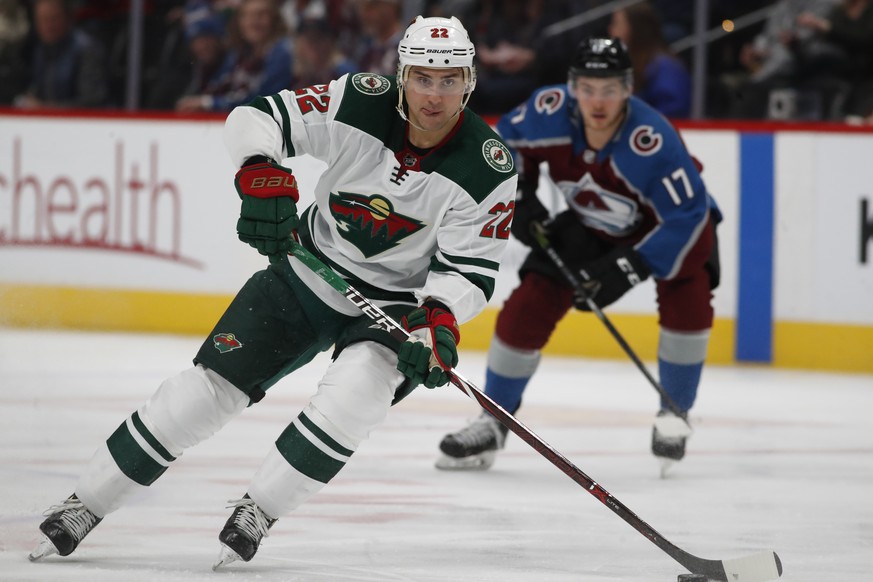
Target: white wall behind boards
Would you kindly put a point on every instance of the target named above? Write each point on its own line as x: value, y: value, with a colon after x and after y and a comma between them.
x: 821, y: 181
x: 148, y: 205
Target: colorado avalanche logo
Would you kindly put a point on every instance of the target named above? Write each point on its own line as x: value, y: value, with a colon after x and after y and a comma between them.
x: 226, y: 342
x: 370, y: 83
x: 549, y: 101
x: 600, y: 208
x: 370, y: 223
x: 497, y: 156
x: 644, y: 141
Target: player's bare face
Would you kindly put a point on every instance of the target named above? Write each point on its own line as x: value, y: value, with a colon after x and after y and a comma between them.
x: 433, y: 97
x: 601, y: 102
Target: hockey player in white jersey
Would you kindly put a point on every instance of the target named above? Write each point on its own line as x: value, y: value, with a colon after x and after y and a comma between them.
x: 413, y: 209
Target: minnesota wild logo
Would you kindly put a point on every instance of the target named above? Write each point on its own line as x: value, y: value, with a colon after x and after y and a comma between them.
x: 497, y: 156
x: 370, y: 223
x: 226, y: 342
x: 370, y: 83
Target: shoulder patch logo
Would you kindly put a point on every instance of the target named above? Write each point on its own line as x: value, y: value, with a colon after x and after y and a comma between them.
x: 226, y: 342
x: 644, y: 141
x: 371, y: 84
x: 549, y: 101
x: 497, y: 156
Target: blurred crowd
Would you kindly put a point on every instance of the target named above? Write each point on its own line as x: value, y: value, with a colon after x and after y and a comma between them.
x: 802, y: 60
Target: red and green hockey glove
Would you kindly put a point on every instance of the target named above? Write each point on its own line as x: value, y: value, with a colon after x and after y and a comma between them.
x: 268, y: 215
x: 431, y: 352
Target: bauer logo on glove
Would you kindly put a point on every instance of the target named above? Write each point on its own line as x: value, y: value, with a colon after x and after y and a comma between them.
x: 267, y: 181
x: 268, y: 215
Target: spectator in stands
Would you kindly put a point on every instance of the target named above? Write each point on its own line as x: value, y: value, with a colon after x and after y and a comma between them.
x: 339, y: 14
x: 660, y: 79
x: 677, y: 18
x: 108, y: 22
x: 381, y: 26
x: 445, y: 8
x: 68, y: 68
x: 773, y: 52
x: 296, y: 12
x: 259, y: 62
x: 14, y: 28
x: 204, y: 31
x: 770, y: 61
x: 317, y: 60
x: 191, y: 55
x: 845, y: 56
x: 515, y: 55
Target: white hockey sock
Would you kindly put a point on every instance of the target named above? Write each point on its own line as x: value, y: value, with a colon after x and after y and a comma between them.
x: 279, y: 488
x: 103, y: 488
x: 353, y: 398
x: 186, y: 409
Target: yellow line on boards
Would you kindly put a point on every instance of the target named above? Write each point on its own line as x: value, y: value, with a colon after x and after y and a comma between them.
x: 823, y: 346
x: 582, y: 334
x: 816, y: 346
x: 110, y: 309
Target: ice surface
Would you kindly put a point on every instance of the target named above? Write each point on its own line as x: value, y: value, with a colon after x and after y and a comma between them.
x: 779, y: 460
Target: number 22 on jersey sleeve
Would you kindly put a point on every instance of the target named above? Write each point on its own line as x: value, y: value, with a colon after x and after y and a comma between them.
x: 502, y: 213
x: 312, y: 99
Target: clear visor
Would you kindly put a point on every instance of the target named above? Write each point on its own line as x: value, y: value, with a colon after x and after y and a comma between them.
x: 442, y: 82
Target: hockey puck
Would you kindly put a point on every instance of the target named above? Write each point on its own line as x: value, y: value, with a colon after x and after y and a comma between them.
x: 692, y: 578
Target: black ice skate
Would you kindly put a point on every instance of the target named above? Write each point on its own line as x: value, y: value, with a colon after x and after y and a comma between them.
x: 66, y: 525
x: 242, y: 532
x: 669, y: 435
x: 474, y: 447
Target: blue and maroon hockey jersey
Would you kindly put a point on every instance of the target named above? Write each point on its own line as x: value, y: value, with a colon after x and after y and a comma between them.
x: 643, y: 188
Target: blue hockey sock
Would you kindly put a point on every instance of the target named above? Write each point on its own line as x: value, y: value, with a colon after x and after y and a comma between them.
x: 516, y: 367
x: 680, y: 382
x: 505, y: 391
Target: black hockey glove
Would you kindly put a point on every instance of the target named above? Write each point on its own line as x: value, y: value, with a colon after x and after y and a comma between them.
x: 528, y: 209
x: 606, y: 279
x: 432, y: 350
x: 268, y: 216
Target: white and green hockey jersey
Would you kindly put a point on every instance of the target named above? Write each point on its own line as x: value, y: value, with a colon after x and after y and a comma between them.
x: 399, y: 225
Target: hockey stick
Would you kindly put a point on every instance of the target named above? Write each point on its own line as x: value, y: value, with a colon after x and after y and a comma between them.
x: 758, y: 567
x: 539, y: 234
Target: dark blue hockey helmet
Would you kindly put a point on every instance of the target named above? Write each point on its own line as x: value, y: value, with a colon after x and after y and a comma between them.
x: 601, y: 57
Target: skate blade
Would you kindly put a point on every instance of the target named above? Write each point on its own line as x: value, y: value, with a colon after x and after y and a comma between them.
x: 666, y: 466
x: 479, y: 462
x: 672, y: 427
x: 225, y: 557
x: 45, y: 548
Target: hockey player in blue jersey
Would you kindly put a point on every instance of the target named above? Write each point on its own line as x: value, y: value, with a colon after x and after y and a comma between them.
x: 637, y: 208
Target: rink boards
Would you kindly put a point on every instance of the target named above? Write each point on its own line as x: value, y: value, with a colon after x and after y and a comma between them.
x: 128, y: 223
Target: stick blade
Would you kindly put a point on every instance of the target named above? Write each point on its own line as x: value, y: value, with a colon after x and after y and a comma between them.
x: 755, y: 568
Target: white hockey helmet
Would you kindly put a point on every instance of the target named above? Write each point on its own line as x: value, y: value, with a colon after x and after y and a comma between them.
x: 437, y: 43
